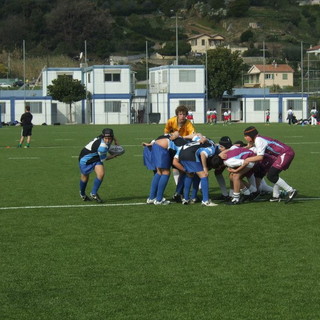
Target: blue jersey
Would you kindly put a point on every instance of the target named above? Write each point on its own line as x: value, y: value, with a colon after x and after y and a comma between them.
x: 191, y: 151
x: 94, y: 151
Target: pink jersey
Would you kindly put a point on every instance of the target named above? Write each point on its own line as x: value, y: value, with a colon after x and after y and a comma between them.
x: 240, y: 153
x: 275, y: 147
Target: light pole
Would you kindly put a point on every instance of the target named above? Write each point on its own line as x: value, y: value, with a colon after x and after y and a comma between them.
x: 177, y: 38
x: 177, y: 46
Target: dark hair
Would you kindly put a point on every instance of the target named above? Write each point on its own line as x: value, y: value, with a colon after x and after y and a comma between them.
x: 215, y: 162
x: 226, y: 142
x: 240, y: 143
x: 27, y: 108
x: 183, y: 109
x: 252, y: 132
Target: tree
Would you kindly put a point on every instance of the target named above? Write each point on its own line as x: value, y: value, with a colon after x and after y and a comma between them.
x: 67, y: 90
x: 224, y: 71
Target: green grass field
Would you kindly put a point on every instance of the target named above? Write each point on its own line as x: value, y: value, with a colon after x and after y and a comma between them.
x: 61, y: 258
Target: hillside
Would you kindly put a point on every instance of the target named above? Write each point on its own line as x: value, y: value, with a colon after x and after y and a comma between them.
x: 59, y: 28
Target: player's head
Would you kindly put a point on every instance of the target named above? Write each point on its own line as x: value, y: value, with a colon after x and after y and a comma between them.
x: 225, y: 143
x: 182, y: 109
x: 250, y: 133
x: 27, y: 108
x: 239, y: 143
x: 214, y: 162
x: 107, y: 134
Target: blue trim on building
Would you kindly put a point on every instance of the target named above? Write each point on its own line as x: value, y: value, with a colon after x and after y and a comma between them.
x: 186, y: 95
x: 111, y: 96
x: 107, y: 67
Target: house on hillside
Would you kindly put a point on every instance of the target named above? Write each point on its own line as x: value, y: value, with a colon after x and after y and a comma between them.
x: 203, y: 42
x: 174, y: 85
x: 308, y: 2
x: 269, y: 75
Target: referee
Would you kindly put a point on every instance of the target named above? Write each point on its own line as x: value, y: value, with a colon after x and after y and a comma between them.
x: 26, y: 122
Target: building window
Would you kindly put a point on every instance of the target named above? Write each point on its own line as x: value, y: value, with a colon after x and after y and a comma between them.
x: 165, y: 76
x: 112, y: 106
x: 269, y: 76
x: 187, y: 76
x: 284, y: 76
x: 203, y: 42
x: 35, y: 107
x: 89, y: 77
x: 65, y: 75
x: 190, y: 104
x: 112, y: 76
x: 3, y: 107
x: 261, y: 105
x: 153, y: 78
x: 295, y: 105
x: 194, y: 42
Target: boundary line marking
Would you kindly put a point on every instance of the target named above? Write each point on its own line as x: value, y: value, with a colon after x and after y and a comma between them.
x: 75, y: 206
x: 106, y: 205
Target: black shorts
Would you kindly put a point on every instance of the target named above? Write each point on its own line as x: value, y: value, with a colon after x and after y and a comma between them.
x: 27, y: 131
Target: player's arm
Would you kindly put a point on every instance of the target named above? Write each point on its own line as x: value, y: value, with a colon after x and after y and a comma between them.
x: 203, y: 157
x: 116, y: 141
x: 254, y: 159
x: 178, y: 165
x: 168, y: 127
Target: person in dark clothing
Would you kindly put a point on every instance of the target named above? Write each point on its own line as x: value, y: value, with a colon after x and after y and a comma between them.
x: 26, y: 132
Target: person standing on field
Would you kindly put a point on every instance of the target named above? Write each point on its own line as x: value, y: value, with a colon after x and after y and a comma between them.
x: 314, y: 115
x: 26, y: 122
x: 181, y: 124
x: 91, y: 158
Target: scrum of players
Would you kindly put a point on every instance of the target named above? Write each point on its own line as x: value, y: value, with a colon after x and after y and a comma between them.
x: 249, y: 164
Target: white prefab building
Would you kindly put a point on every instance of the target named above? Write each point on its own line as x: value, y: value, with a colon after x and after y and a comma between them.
x: 174, y: 85
x: 13, y: 102
x: 251, y: 105
x: 111, y: 88
x: 109, y: 93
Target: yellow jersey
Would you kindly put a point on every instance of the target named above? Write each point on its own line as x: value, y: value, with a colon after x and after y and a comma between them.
x: 172, y: 126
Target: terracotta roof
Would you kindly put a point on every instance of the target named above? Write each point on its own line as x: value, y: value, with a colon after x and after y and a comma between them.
x: 315, y: 48
x: 274, y: 68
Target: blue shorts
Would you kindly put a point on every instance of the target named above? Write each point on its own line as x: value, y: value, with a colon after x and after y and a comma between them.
x: 161, y: 157
x: 192, y: 166
x: 88, y: 168
x: 147, y: 158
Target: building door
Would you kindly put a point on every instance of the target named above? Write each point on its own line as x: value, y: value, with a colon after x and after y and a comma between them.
x: 54, y: 113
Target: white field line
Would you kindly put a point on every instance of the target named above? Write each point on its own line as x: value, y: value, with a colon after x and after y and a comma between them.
x: 75, y: 206
x: 109, y: 205
x: 24, y: 158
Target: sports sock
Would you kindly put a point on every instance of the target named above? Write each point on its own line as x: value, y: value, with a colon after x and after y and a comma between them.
x: 154, y: 186
x: 195, y: 187
x: 96, y: 185
x: 235, y: 197
x: 222, y: 184
x: 83, y: 186
x: 205, y: 189
x: 264, y: 186
x: 187, y: 186
x: 252, y: 181
x: 163, y: 181
x: 179, y: 188
x: 175, y: 174
x: 276, y: 191
x: 245, y: 191
x: 282, y: 184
